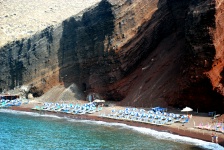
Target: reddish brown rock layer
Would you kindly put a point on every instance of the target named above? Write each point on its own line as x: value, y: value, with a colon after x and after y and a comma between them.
x: 174, y: 72
x: 142, y: 53
x: 216, y: 73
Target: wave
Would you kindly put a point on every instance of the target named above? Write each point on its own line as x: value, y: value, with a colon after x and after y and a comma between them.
x: 142, y: 130
x: 178, y: 138
x: 35, y: 114
x: 159, y: 134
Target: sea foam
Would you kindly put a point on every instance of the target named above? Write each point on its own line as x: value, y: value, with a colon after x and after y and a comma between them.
x: 142, y: 130
x: 35, y: 114
x: 159, y: 134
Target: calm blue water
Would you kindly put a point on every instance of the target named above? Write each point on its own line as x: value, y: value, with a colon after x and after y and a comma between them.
x: 21, y: 130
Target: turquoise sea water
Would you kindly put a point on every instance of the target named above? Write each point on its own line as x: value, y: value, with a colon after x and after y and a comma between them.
x: 23, y: 130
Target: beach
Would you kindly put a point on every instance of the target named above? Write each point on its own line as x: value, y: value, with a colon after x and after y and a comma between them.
x: 187, y: 130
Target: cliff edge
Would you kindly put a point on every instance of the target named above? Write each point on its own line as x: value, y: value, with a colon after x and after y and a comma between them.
x: 141, y: 53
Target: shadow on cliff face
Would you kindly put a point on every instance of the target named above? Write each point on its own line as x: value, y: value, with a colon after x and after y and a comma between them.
x: 22, y: 60
x: 11, y: 67
x: 16, y: 70
x: 84, y: 47
x: 188, y: 23
x: 201, y: 96
x: 200, y: 56
x: 196, y: 90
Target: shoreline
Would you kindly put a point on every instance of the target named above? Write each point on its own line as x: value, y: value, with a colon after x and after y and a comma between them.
x: 177, y: 130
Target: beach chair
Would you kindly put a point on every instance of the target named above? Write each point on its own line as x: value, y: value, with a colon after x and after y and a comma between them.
x: 99, y: 109
x: 160, y: 122
x: 150, y: 112
x: 166, y: 122
x: 220, y: 129
x: 145, y: 120
x: 57, y: 108
x: 218, y: 125
x: 163, y: 117
x: 36, y: 108
x: 169, y: 121
x: 178, y: 115
x: 164, y: 113
x: 153, y: 121
x: 177, y: 120
x: 215, y: 127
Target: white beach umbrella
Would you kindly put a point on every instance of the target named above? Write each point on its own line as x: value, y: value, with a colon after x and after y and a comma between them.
x: 99, y: 101
x: 186, y: 109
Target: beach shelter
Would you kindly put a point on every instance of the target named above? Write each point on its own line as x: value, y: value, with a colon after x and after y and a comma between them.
x: 99, y: 101
x: 186, y: 109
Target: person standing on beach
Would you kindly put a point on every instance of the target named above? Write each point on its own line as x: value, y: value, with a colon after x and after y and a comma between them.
x: 212, y: 138
x: 216, y: 138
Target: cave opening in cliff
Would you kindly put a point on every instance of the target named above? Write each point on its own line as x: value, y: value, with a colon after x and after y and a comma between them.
x: 201, y: 95
x: 84, y: 87
x: 36, y: 92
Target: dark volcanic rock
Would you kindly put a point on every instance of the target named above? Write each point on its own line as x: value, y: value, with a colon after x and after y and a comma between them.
x: 142, y: 53
x: 30, y: 61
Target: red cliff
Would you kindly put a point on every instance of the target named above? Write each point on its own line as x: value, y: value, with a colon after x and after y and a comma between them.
x: 141, y: 53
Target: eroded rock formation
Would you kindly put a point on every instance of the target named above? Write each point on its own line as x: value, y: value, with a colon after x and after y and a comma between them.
x: 142, y: 53
x: 216, y: 73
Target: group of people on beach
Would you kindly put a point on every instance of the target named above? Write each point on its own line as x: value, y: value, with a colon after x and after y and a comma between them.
x: 214, y: 138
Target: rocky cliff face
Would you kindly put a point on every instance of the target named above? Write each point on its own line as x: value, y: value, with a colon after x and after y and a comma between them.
x: 142, y: 53
x: 80, y: 50
x: 216, y: 72
x: 180, y: 76
x: 201, y: 22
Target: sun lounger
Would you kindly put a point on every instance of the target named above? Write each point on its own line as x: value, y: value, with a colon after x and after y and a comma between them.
x: 185, y: 121
x: 216, y: 127
x: 160, y: 122
x: 153, y: 121
x: 168, y: 121
x: 219, y: 129
x: 177, y: 120
x: 36, y: 108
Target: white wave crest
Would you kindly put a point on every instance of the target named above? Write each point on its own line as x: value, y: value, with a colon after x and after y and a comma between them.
x: 35, y: 114
x: 178, y: 138
x: 159, y: 134
x: 147, y: 131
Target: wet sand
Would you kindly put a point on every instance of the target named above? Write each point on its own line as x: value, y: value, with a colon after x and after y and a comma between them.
x: 176, y: 128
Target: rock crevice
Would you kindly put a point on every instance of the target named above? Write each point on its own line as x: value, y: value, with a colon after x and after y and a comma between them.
x: 142, y: 53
